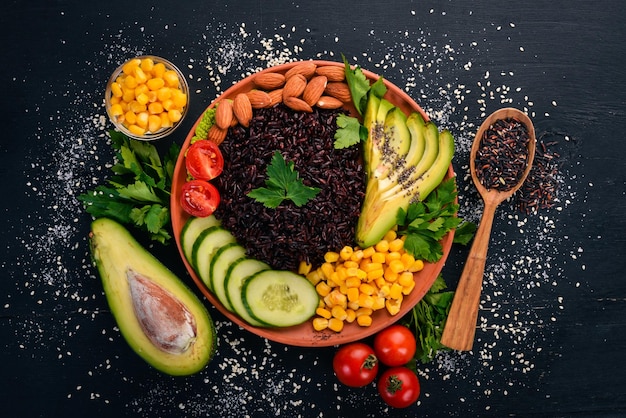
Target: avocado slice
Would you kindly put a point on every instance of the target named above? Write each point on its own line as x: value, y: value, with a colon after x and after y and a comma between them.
x: 369, y: 122
x: 158, y: 315
x: 408, y: 174
x: 415, y: 124
x: 373, y: 147
x: 431, y: 150
x: 371, y: 111
x: 376, y: 219
x: 395, y: 143
x: 385, y: 196
x: 426, y: 182
x: 436, y: 173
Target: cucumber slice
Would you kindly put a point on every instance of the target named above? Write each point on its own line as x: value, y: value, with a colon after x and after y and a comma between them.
x: 209, y: 241
x: 279, y: 298
x: 238, y: 273
x: 191, y: 231
x: 220, y: 263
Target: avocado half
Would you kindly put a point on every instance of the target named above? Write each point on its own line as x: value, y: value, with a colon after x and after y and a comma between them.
x: 158, y: 315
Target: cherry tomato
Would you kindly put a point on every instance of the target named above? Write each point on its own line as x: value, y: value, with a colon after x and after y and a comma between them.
x: 199, y: 198
x: 395, y: 345
x: 204, y: 160
x: 355, y: 364
x: 399, y: 387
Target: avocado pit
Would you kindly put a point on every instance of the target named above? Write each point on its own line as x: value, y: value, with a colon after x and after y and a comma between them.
x: 165, y: 320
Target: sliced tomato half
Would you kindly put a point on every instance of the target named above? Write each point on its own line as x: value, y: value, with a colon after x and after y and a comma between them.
x: 204, y: 160
x: 199, y: 198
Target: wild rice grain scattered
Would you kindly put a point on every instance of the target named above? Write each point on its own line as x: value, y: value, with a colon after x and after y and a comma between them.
x: 284, y: 236
x: 540, y: 190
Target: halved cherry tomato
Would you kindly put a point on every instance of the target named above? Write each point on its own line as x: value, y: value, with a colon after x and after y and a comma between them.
x: 199, y: 198
x: 355, y: 364
x: 204, y: 160
x: 399, y: 387
x: 395, y: 345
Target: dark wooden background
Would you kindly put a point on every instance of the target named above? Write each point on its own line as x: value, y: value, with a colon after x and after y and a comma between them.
x: 552, y: 325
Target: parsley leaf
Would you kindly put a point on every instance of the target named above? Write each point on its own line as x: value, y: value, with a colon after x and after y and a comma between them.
x: 427, y: 319
x: 359, y: 85
x: 378, y: 89
x: 425, y: 223
x: 154, y: 217
x: 138, y: 192
x: 283, y: 183
x: 270, y: 197
x: 349, y: 132
x: 464, y: 233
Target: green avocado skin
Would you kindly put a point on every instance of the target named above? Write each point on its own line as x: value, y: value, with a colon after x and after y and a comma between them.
x: 117, y: 256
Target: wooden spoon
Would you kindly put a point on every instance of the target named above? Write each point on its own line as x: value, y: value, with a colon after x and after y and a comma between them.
x: 460, y: 326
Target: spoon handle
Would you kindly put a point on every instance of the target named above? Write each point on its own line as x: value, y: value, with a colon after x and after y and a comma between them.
x: 460, y: 326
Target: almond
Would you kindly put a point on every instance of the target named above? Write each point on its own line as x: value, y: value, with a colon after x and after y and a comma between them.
x: 314, y: 89
x: 297, y: 104
x: 276, y: 96
x: 216, y: 134
x: 339, y: 90
x: 332, y: 73
x: 224, y: 113
x: 269, y: 81
x: 329, y: 102
x: 306, y: 69
x: 259, y: 99
x: 294, y: 86
x: 242, y: 108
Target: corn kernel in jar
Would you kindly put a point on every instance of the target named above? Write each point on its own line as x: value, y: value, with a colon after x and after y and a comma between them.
x: 145, y: 84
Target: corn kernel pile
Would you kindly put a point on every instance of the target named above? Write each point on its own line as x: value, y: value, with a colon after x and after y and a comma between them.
x: 354, y: 282
x: 147, y: 96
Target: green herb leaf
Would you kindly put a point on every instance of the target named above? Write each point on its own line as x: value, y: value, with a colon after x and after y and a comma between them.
x: 349, y: 132
x: 427, y: 320
x: 378, y: 89
x: 283, y: 183
x: 270, y: 197
x: 138, y: 192
x: 106, y: 202
x: 301, y: 194
x: 438, y: 285
x: 359, y: 85
x: 425, y: 223
x: 464, y: 233
x: 155, y: 218
x: 280, y: 173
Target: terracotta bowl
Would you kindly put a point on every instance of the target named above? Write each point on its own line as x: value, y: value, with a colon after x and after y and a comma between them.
x: 304, y: 335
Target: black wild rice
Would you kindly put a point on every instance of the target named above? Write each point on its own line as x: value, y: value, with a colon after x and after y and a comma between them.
x: 539, y: 191
x: 284, y: 236
x: 502, y: 155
